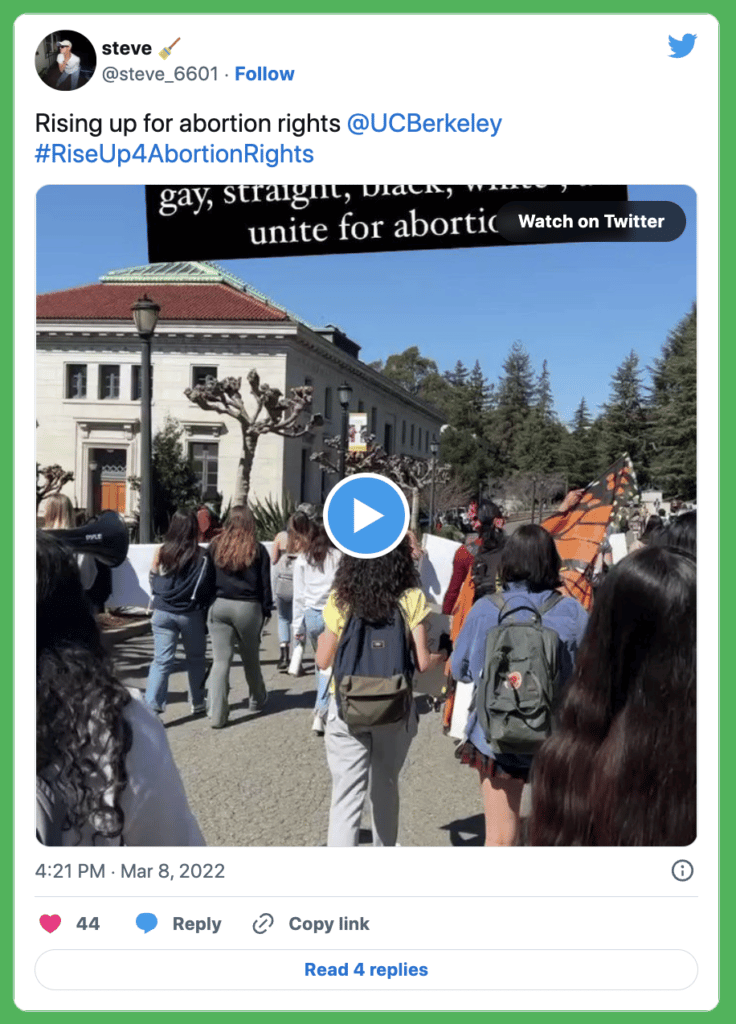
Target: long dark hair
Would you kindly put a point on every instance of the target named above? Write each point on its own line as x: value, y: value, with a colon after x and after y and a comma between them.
x: 81, y: 736
x: 491, y: 536
x: 235, y: 548
x: 180, y: 546
x: 371, y: 587
x: 680, y: 535
x: 530, y: 556
x: 620, y: 769
x: 319, y: 546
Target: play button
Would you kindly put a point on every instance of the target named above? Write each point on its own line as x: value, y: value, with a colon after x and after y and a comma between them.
x: 363, y: 515
x: 366, y: 515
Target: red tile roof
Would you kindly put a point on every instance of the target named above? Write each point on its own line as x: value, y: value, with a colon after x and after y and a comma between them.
x: 177, y: 301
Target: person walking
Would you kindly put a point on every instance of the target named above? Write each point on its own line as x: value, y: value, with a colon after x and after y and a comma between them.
x: 314, y: 572
x: 286, y: 546
x: 620, y: 769
x: 181, y: 587
x: 372, y: 600
x: 242, y: 605
x: 529, y: 571
x: 104, y: 771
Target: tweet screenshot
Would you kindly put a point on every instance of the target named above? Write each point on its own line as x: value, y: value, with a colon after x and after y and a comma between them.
x: 366, y: 515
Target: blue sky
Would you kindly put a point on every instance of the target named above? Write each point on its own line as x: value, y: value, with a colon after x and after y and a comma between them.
x: 583, y: 307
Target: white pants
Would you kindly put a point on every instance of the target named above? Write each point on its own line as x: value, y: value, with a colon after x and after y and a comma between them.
x: 365, y: 762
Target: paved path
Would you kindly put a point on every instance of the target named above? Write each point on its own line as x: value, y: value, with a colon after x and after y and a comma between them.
x: 263, y: 780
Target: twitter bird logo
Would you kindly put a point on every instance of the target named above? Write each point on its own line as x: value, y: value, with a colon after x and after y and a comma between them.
x: 682, y: 47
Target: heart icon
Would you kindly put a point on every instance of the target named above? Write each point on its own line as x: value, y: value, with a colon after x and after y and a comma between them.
x: 50, y: 922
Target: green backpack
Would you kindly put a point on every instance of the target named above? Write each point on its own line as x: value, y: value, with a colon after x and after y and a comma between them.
x: 520, y: 674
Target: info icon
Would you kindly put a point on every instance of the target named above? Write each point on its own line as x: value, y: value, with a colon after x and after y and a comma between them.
x: 366, y: 515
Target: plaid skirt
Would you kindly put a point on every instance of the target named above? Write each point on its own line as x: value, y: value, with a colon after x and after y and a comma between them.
x: 506, y: 767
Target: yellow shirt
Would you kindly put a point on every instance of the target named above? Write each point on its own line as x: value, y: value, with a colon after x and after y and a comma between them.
x: 413, y: 604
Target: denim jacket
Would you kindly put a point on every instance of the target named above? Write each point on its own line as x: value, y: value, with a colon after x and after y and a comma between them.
x: 568, y: 618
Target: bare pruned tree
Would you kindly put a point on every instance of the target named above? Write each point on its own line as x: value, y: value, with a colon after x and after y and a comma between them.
x: 264, y: 411
x: 449, y: 492
x: 52, y: 480
x: 537, y: 490
x: 412, y: 474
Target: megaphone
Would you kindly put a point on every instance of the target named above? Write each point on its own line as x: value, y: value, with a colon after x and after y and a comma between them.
x: 105, y: 538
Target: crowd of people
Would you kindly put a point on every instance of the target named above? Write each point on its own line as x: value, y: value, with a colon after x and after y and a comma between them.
x: 595, y: 711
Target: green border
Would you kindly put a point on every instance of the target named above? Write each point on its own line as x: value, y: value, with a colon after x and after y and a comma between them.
x: 726, y: 15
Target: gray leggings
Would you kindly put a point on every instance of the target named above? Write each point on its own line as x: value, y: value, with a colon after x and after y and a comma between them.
x: 231, y: 623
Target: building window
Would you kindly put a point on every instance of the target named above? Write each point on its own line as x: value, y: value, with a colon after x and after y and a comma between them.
x: 403, y: 431
x: 76, y: 380
x: 135, y: 383
x: 109, y: 382
x: 374, y: 420
x: 388, y: 441
x: 361, y: 406
x: 308, y: 382
x: 426, y: 440
x: 412, y: 436
x: 201, y: 373
x: 328, y: 403
x: 203, y: 456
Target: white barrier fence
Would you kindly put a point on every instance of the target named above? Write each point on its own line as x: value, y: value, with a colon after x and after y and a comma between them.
x: 130, y: 587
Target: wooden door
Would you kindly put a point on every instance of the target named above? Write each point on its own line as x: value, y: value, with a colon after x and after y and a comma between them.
x: 113, y: 496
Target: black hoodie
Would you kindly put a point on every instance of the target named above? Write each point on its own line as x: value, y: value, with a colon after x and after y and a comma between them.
x: 189, y: 589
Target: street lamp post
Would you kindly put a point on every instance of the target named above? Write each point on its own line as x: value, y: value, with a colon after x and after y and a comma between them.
x: 434, y: 449
x: 344, y: 394
x: 145, y: 316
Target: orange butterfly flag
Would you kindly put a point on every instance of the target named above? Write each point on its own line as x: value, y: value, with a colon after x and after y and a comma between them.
x: 580, y: 531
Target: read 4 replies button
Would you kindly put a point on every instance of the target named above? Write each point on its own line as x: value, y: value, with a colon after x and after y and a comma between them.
x: 366, y: 515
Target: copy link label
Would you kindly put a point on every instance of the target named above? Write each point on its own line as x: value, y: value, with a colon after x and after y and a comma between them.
x: 366, y: 515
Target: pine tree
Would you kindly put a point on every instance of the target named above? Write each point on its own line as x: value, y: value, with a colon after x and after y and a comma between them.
x: 539, y: 452
x: 458, y: 376
x: 543, y: 395
x: 625, y: 422
x: 674, y: 411
x: 581, y: 420
x: 584, y: 462
x: 514, y: 397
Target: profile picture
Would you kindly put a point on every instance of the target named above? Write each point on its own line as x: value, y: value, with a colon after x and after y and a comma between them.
x: 65, y: 60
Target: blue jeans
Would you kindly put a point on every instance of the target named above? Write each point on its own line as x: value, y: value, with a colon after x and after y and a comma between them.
x: 74, y: 75
x: 314, y: 624
x: 283, y: 610
x: 167, y: 627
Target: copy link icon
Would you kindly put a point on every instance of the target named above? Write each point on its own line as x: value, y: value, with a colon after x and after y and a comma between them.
x: 366, y: 515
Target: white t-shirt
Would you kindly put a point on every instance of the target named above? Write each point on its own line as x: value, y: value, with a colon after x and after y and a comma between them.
x: 154, y: 802
x: 312, y: 586
x: 72, y: 65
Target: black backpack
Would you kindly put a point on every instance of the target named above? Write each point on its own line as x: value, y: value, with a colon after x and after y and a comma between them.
x: 484, y: 572
x: 373, y: 672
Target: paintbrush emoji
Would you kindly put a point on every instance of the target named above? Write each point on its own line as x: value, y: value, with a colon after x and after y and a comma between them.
x: 163, y: 54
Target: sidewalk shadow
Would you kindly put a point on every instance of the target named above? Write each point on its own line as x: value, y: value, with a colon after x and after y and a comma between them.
x: 278, y: 700
x: 132, y: 659
x: 427, y: 705
x: 467, y: 831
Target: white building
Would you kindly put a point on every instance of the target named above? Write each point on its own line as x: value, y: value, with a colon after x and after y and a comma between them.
x: 211, y: 324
